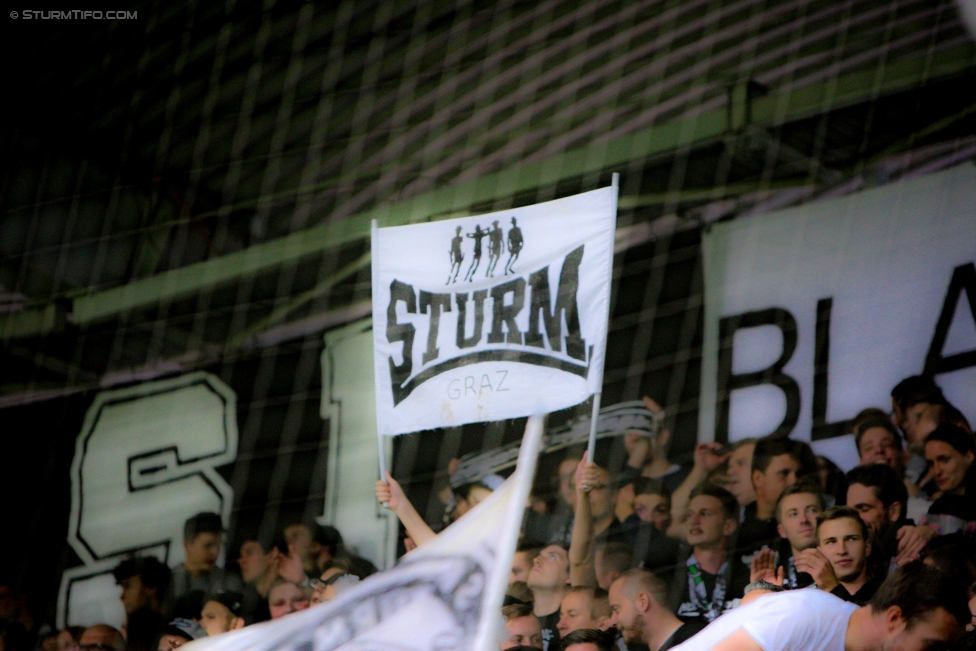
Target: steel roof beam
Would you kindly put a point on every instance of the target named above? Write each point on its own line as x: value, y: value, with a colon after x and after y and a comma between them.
x: 770, y: 111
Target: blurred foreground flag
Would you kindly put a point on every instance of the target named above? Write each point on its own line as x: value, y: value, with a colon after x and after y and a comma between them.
x: 445, y: 595
x: 492, y: 317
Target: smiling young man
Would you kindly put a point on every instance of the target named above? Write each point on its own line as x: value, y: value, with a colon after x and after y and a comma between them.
x: 878, y: 441
x: 918, y: 608
x: 842, y: 537
x: 880, y: 497
x: 709, y: 584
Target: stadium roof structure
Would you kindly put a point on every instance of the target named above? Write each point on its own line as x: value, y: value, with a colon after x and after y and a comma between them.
x: 194, y: 185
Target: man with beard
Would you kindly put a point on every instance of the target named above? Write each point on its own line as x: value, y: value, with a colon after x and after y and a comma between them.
x: 842, y: 537
x: 639, y: 606
x: 879, y: 496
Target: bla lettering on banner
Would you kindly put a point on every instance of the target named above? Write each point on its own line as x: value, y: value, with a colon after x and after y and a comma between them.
x: 856, y: 313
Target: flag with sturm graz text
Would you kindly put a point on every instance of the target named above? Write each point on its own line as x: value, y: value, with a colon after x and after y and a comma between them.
x: 492, y: 317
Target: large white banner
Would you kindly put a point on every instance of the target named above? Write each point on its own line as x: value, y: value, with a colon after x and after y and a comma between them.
x: 814, y: 313
x: 492, y: 317
x: 145, y: 461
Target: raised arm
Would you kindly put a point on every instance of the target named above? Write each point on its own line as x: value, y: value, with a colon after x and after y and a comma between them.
x: 582, y: 568
x: 390, y: 493
x: 708, y: 456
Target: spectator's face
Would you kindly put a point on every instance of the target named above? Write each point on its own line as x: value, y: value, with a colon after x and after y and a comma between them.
x: 216, y: 618
x: 972, y: 611
x: 202, y: 551
x: 655, y: 509
x: 582, y: 646
x: 521, y: 564
x: 169, y: 642
x: 936, y: 629
x: 286, y: 598
x: 550, y: 569
x: 843, y: 543
x: 253, y: 561
x: 798, y: 520
x: 740, y: 473
x: 567, y: 469
x: 624, y: 615
x: 780, y: 473
x: 869, y: 507
x: 910, y: 423
x: 135, y: 595
x: 574, y: 614
x: 523, y: 631
x: 299, y: 540
x: 102, y: 637
x: 878, y: 445
x: 949, y: 465
x: 707, y: 524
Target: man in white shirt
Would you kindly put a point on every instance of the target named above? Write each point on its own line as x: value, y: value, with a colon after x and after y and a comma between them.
x: 918, y: 608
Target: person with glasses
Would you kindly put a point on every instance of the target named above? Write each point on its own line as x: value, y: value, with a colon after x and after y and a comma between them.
x: 333, y: 580
x: 101, y: 637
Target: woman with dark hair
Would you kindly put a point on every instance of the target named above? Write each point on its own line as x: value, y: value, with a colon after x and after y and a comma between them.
x: 950, y: 452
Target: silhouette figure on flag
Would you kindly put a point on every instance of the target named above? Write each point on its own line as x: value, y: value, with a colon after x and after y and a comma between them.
x: 457, y: 257
x: 495, y: 247
x: 514, y: 246
x: 477, y: 236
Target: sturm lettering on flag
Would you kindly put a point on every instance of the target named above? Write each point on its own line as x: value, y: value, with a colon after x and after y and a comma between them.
x: 492, y: 317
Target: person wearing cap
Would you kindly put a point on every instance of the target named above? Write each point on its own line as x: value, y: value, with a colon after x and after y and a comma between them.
x: 201, y: 542
x: 178, y: 632
x: 222, y: 613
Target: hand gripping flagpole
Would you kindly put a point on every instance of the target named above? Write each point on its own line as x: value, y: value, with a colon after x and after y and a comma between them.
x: 374, y: 232
x: 497, y: 580
x: 595, y: 415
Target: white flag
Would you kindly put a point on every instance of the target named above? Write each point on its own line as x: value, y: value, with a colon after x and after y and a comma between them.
x: 492, y: 317
x: 444, y: 595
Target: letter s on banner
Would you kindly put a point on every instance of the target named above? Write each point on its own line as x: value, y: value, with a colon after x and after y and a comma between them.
x: 144, y: 462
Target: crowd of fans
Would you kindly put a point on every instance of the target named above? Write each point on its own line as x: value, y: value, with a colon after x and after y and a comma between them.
x: 640, y: 557
x: 167, y: 607
x: 648, y: 555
